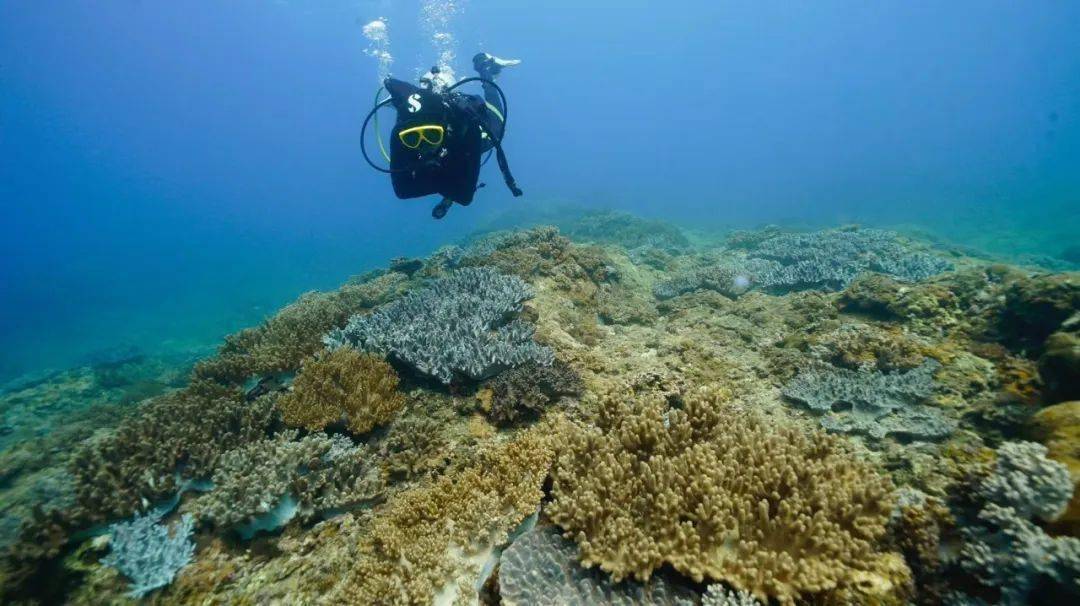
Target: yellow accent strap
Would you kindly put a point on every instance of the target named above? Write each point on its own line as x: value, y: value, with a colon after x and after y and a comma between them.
x: 378, y: 137
x: 496, y: 110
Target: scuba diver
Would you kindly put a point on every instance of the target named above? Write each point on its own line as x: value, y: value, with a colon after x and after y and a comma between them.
x: 440, y: 136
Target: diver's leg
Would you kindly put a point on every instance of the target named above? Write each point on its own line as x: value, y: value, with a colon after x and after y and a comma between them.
x: 489, y: 66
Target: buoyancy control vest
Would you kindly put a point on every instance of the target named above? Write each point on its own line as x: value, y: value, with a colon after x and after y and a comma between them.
x: 450, y: 168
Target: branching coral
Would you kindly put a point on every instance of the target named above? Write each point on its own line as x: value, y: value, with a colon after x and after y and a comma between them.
x: 433, y: 540
x: 148, y: 552
x: 1027, y: 481
x: 315, y: 473
x: 528, y: 389
x: 460, y: 325
x: 175, y: 437
x: 718, y: 494
x: 343, y: 385
x: 1003, y: 549
x: 295, y: 332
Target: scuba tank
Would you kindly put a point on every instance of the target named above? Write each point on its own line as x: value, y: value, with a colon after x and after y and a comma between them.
x: 447, y: 134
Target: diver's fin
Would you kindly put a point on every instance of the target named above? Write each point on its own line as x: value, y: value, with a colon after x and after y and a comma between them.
x: 489, y: 66
x: 440, y: 209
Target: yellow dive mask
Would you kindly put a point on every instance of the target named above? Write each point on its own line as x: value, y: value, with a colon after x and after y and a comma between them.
x: 426, y: 133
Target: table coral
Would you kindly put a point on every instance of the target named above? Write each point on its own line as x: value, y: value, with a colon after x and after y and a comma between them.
x: 718, y: 494
x: 459, y: 325
x: 873, y: 403
x: 343, y: 385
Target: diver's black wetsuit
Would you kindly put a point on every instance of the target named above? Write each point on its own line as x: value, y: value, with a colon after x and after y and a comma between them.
x: 473, y: 126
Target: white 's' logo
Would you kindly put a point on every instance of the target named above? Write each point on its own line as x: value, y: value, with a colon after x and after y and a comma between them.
x: 414, y: 103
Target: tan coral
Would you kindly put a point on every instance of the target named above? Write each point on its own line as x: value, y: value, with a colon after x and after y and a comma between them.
x: 718, y: 494
x: 344, y: 384
x: 430, y: 541
x: 283, y: 341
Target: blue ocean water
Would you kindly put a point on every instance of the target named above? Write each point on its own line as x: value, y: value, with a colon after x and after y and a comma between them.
x: 174, y: 171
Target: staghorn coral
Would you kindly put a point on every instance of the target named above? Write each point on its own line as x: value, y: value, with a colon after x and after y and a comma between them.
x: 433, y: 540
x: 343, y: 385
x: 312, y: 474
x: 540, y: 568
x: 459, y: 325
x: 295, y: 332
x: 527, y: 390
x: 873, y: 403
x: 149, y: 552
x: 174, y: 438
x: 718, y: 494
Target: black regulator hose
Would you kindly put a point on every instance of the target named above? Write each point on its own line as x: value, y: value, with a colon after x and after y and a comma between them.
x: 363, y: 132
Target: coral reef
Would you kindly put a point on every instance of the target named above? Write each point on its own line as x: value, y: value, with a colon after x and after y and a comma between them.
x: 628, y: 231
x: 435, y: 540
x: 176, y: 437
x: 833, y: 258
x: 717, y: 494
x: 873, y: 403
x: 295, y: 332
x: 314, y: 476
x: 1009, y: 553
x: 718, y: 595
x: 527, y: 390
x: 284, y: 476
x: 1036, y: 307
x: 343, y: 385
x: 1059, y: 365
x: 540, y: 568
x: 148, y: 552
x: 1028, y: 482
x: 457, y: 326
x: 1058, y: 428
x: 729, y: 279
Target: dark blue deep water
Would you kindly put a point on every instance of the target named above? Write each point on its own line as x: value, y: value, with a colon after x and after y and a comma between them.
x: 173, y: 171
